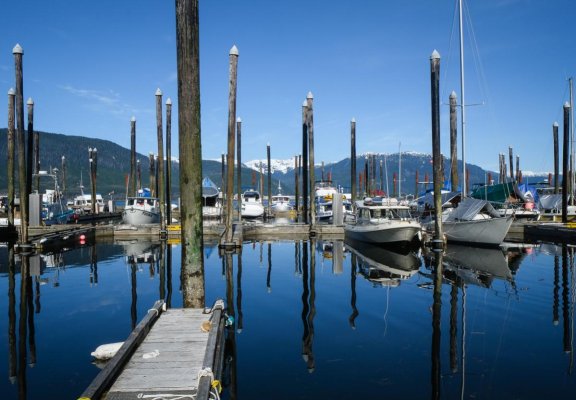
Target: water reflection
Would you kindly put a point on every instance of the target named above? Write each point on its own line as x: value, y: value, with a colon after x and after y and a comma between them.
x: 475, y: 284
x: 384, y: 266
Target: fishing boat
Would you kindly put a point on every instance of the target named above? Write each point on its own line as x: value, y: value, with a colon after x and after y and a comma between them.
x: 82, y: 203
x: 141, y: 210
x: 252, y: 204
x: 211, y: 205
x: 475, y: 221
x: 280, y: 202
x: 382, y: 222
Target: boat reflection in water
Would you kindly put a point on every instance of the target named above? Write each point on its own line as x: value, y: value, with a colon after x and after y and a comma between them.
x: 476, y: 265
x: 384, y: 265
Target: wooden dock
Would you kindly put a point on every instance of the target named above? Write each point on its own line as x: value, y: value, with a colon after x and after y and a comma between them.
x: 177, y: 353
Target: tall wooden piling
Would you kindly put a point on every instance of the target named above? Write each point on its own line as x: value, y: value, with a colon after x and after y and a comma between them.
x: 556, y: 158
x: 305, y: 183
x: 453, y: 142
x: 63, y: 172
x: 190, y: 150
x: 511, y: 158
x: 132, y: 191
x: 269, y: 186
x: 436, y: 155
x: 160, y: 161
x: 518, y: 173
x: 30, y: 145
x: 233, y: 73
x: 10, y: 161
x: 239, y: 167
x: 152, y: 175
x: 93, y: 159
x: 168, y: 184
x: 296, y: 183
x: 353, y: 162
x: 565, y: 158
x: 35, y: 143
x: 19, y: 103
x: 310, y: 125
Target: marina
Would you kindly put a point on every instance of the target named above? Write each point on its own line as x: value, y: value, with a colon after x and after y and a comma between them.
x: 231, y: 274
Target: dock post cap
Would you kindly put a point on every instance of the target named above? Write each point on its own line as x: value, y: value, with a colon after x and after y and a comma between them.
x: 555, y: 124
x: 169, y: 101
x: 30, y: 102
x: 310, y: 96
x: 11, y: 92
x: 234, y: 51
x: 566, y: 105
x: 158, y: 92
x: 133, y: 119
x: 453, y: 95
x: 238, y: 119
x: 435, y: 55
x: 353, y: 120
x: 17, y: 49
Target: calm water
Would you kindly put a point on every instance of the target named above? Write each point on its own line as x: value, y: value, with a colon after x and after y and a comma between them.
x: 313, y: 320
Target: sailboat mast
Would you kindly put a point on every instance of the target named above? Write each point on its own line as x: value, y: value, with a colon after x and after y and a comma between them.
x: 462, y: 107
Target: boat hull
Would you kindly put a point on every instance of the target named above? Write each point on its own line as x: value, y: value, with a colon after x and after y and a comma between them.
x: 388, y: 232
x: 134, y: 216
x: 254, y: 210
x: 490, y: 231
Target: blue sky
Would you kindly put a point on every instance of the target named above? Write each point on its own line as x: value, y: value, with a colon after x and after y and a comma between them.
x: 92, y: 65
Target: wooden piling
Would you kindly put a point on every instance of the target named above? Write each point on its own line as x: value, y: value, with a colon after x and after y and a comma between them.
x: 565, y: 158
x: 453, y: 142
x: 556, y: 159
x: 518, y: 173
x: 35, y: 142
x: 436, y: 156
x: 269, y: 207
x: 19, y: 103
x: 63, y: 172
x: 168, y: 184
x: 10, y: 149
x: 233, y: 73
x: 93, y: 158
x: 152, y: 175
x: 511, y: 158
x: 132, y: 191
x: 296, y: 183
x: 239, y: 167
x: 310, y: 128
x: 353, y: 162
x: 160, y: 161
x: 305, y: 182
x: 30, y: 156
x: 190, y: 151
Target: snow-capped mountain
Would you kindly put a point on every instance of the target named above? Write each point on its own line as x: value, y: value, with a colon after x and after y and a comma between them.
x: 275, y: 165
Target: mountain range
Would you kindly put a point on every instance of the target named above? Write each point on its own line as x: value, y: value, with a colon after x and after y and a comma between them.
x: 113, y: 166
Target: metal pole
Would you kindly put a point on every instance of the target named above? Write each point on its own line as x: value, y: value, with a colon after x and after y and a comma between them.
x: 353, y: 161
x: 565, y: 152
x: 463, y: 105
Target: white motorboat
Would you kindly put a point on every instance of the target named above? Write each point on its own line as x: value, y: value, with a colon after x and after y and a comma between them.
x: 280, y: 202
x: 382, y: 223
x: 323, y: 195
x: 141, y: 211
x: 211, y: 205
x: 252, y: 204
x: 477, y: 222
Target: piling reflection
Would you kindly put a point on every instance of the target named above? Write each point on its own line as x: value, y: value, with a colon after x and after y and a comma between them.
x: 436, y: 368
x: 308, y: 304
x: 355, y: 312
x: 12, y: 365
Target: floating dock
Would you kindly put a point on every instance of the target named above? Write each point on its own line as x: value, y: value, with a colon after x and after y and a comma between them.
x: 176, y: 353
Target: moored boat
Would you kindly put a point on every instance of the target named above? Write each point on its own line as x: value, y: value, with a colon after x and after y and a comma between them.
x: 211, y: 205
x: 141, y: 211
x: 382, y: 223
x: 280, y: 202
x: 252, y: 204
